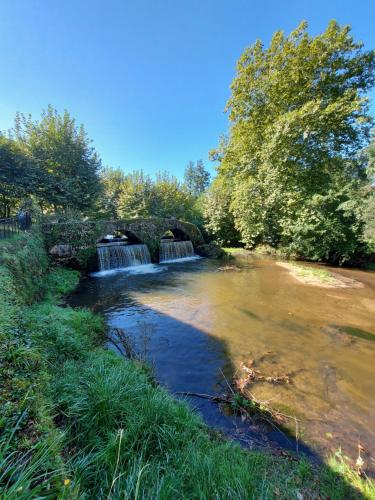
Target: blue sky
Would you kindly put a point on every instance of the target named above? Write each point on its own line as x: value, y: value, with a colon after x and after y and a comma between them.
x: 148, y: 78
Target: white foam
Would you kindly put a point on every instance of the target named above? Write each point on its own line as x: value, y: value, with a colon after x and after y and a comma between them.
x: 183, y: 259
x: 141, y: 269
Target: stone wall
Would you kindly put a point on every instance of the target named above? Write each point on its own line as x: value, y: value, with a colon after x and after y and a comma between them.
x: 81, y: 237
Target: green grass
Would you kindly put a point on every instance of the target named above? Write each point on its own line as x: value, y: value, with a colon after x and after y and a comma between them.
x: 312, y: 272
x: 78, y: 421
x: 130, y: 438
x: 61, y: 281
x: 234, y: 249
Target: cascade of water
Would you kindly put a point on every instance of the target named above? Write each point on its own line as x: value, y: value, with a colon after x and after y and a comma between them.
x: 118, y: 255
x: 172, y: 250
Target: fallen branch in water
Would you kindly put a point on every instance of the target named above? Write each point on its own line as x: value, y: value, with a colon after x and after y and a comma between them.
x: 122, y: 341
x: 216, y: 399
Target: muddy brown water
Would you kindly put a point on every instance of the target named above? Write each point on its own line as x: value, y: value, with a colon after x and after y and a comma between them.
x: 196, y: 325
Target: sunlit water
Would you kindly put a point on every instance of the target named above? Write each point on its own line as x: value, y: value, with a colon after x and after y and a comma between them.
x: 196, y: 323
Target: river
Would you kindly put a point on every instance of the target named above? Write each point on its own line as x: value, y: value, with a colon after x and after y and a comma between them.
x: 196, y: 325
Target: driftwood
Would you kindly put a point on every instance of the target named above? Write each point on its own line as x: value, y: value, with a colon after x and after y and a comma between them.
x: 216, y: 399
x: 122, y: 342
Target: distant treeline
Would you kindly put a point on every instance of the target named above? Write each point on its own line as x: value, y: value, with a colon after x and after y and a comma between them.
x: 50, y: 164
x: 295, y: 172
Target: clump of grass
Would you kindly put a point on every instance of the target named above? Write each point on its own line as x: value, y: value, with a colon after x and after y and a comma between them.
x: 312, y: 272
x: 61, y: 281
x: 24, y: 257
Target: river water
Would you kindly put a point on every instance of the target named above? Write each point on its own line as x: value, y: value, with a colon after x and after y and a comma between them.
x: 197, y: 325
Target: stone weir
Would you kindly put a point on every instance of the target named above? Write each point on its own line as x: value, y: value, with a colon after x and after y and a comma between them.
x: 78, y: 239
x: 117, y: 254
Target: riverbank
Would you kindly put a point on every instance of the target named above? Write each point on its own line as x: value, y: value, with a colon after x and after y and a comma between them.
x: 76, y: 419
x: 302, y: 271
x: 316, y: 276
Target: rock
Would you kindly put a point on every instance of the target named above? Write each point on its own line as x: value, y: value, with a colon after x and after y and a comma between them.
x: 210, y: 250
x: 61, y: 251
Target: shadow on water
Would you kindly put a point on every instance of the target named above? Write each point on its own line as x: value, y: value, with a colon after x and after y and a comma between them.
x: 355, y: 332
x: 186, y: 358
x: 183, y: 358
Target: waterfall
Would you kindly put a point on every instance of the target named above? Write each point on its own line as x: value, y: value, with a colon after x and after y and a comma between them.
x: 174, y: 250
x: 117, y: 255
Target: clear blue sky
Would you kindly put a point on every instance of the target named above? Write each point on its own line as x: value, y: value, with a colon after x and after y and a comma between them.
x: 148, y: 78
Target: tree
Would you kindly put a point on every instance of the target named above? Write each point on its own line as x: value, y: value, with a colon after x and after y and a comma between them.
x: 369, y: 219
x: 170, y: 198
x: 135, y: 195
x: 219, y: 221
x: 141, y: 196
x: 196, y: 178
x: 69, y: 164
x: 19, y: 176
x: 298, y: 117
x: 369, y: 207
x: 112, y: 181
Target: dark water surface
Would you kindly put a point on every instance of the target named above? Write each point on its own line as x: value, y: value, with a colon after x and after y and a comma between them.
x: 196, y: 324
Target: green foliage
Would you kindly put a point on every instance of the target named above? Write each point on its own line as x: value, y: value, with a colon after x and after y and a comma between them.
x: 62, y: 281
x: 112, y: 181
x: 299, y: 117
x: 19, y: 176
x: 20, y: 254
x: 81, y: 235
x: 141, y: 196
x: 219, y: 221
x: 369, y: 208
x: 326, y: 228
x: 196, y: 178
x: 68, y: 174
x: 369, y: 218
x: 170, y: 199
x: 63, y: 334
x: 135, y: 196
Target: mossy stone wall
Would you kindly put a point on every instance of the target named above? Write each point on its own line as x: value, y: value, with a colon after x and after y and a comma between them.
x: 82, y: 236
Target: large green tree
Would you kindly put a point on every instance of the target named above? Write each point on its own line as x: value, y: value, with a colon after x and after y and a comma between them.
x: 299, y: 116
x: 69, y: 164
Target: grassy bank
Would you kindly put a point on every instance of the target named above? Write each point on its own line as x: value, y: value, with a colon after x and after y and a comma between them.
x: 78, y: 421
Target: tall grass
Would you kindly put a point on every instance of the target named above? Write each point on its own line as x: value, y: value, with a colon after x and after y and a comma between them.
x: 131, y: 439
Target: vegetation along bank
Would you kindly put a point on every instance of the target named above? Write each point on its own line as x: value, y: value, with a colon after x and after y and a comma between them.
x: 77, y: 420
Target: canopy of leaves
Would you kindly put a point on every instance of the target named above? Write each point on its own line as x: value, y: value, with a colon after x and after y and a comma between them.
x: 196, y: 178
x: 138, y: 195
x: 20, y: 176
x: 68, y: 165
x: 369, y: 208
x: 299, y: 116
x: 219, y: 221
